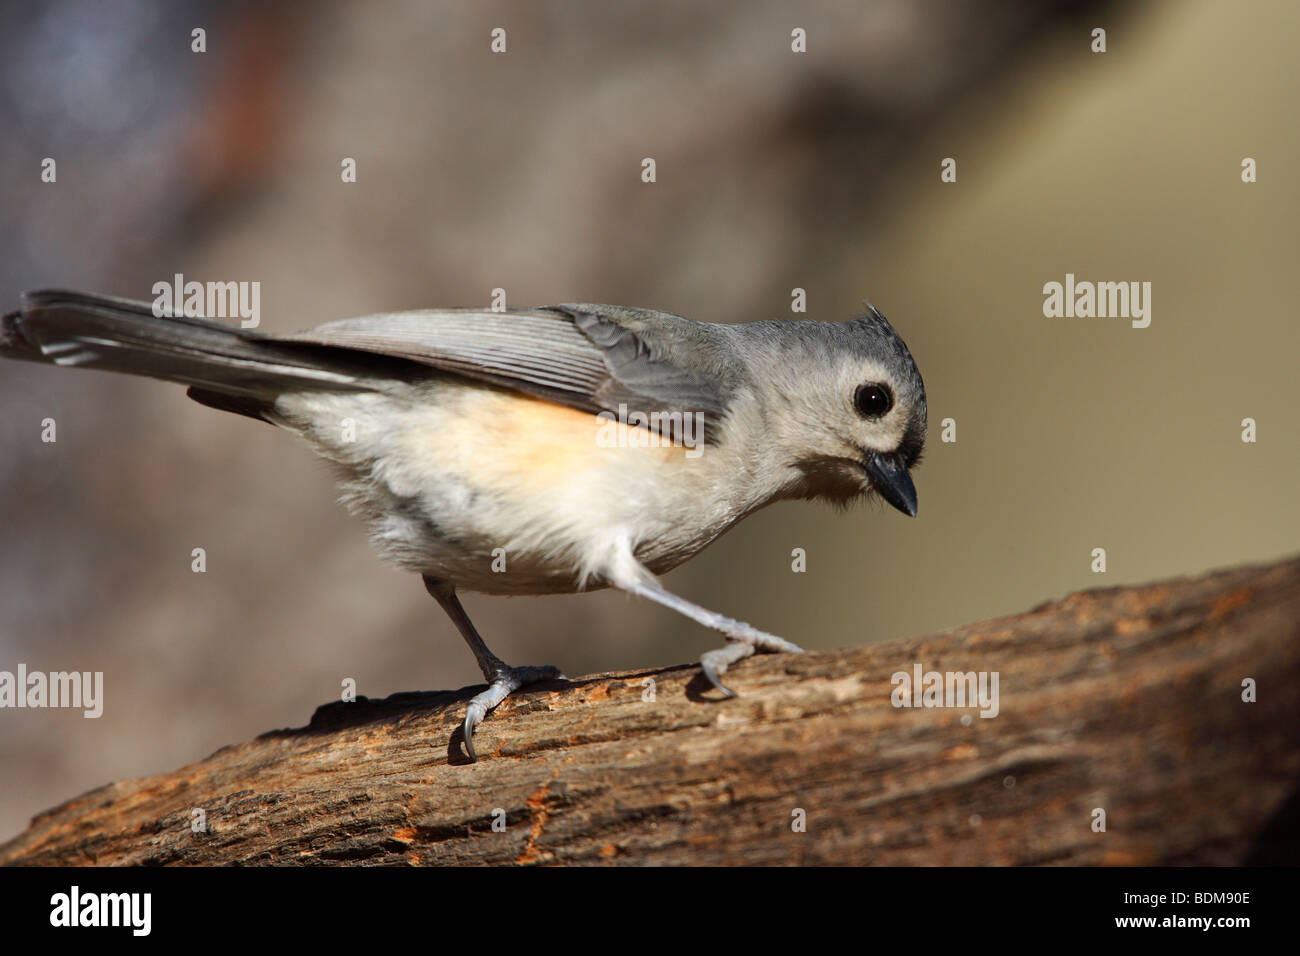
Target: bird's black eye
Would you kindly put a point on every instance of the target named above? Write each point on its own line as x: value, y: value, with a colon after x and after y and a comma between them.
x: 872, y: 401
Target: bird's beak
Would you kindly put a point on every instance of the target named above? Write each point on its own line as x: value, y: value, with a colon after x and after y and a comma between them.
x: 892, y: 482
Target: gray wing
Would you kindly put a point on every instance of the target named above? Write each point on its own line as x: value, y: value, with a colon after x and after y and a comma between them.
x: 590, y: 357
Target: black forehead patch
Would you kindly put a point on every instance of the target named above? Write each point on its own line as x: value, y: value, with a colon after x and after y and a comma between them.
x: 913, y: 442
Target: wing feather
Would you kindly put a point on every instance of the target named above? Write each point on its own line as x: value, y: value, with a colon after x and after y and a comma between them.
x: 582, y: 356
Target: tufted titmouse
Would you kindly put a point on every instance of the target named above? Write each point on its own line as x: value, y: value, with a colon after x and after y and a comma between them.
x: 546, y: 450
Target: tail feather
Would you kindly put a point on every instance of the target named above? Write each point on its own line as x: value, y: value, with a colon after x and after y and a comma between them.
x: 72, y: 328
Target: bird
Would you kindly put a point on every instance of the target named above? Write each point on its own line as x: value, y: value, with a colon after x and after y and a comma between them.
x: 542, y: 450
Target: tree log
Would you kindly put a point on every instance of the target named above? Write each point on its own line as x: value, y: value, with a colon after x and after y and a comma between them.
x: 1121, y: 706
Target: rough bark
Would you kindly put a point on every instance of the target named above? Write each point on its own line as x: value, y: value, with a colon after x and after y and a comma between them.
x: 1127, y: 700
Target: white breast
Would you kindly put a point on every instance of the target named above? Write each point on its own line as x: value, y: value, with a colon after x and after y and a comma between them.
x: 459, y: 481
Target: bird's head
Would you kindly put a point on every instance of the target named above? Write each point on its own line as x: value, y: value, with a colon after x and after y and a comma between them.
x: 849, y: 406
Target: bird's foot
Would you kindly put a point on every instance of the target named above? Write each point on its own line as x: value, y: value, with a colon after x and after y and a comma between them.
x: 743, y: 643
x: 504, y: 681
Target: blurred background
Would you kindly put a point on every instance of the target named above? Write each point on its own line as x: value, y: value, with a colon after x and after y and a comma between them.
x: 776, y: 170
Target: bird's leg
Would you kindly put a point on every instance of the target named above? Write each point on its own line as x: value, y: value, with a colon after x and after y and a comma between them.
x: 744, y: 640
x: 503, y: 680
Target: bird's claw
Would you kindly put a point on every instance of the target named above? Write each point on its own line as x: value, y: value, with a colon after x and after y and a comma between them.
x: 505, y: 681
x: 711, y: 673
x: 715, y: 662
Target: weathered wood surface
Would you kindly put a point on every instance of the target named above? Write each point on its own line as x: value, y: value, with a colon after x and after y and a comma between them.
x: 1128, y: 700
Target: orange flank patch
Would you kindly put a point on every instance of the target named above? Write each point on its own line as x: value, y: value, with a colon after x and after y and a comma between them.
x: 550, y: 442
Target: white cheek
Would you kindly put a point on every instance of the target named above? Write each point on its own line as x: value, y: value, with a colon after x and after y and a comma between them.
x: 885, y: 435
